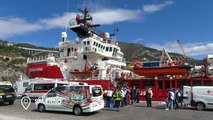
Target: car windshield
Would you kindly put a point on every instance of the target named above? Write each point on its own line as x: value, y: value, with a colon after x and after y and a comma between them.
x: 1, y: 89
x: 6, y: 89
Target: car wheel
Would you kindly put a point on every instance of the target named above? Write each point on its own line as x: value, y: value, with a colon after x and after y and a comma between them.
x: 11, y: 102
x: 200, y: 106
x: 41, y: 108
x: 77, y: 110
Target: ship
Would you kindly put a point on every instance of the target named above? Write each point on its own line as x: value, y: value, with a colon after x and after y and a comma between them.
x: 92, y: 56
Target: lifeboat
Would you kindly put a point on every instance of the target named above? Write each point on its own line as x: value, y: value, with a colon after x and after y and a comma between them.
x: 161, y: 71
x: 141, y: 70
x: 82, y: 74
x: 86, y: 73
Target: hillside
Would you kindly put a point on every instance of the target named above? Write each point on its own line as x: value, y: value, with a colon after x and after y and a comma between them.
x: 139, y: 52
x: 13, y: 59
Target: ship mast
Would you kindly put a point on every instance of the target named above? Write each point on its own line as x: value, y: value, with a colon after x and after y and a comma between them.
x: 83, y: 24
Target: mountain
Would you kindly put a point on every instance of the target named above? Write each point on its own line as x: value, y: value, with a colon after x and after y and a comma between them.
x: 139, y: 52
x: 13, y: 59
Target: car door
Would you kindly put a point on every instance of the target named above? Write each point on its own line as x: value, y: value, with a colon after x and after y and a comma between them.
x: 187, y: 95
x: 49, y: 100
x: 54, y: 100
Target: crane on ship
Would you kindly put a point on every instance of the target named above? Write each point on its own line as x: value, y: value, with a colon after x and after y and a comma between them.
x: 184, y: 57
x: 165, y: 59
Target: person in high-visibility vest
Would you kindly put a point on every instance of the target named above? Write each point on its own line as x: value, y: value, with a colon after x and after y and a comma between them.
x: 117, y: 95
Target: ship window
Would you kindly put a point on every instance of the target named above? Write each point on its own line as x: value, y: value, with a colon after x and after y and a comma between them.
x: 68, y: 52
x: 97, y: 44
x: 40, y: 57
x: 103, y: 47
x: 107, y: 48
x: 88, y: 42
x: 84, y: 42
x: 110, y: 49
x: 86, y: 48
x: 115, y: 51
x: 94, y: 43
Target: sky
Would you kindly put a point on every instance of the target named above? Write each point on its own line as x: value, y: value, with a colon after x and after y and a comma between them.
x: 153, y: 23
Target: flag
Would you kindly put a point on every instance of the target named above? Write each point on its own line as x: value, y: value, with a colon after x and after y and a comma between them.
x: 116, y: 30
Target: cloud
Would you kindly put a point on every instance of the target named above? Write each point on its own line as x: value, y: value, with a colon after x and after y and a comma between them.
x: 191, y: 49
x: 138, y: 40
x: 151, y: 8
x: 110, y: 16
x: 57, y: 21
x: 103, y: 17
x: 16, y: 26
x: 11, y: 26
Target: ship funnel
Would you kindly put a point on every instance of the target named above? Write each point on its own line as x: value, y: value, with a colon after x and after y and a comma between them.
x: 64, y: 36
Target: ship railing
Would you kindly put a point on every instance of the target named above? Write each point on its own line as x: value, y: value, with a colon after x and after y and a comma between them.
x: 34, y: 60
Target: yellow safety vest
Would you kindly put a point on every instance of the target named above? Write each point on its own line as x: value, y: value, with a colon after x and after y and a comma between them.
x: 118, y: 95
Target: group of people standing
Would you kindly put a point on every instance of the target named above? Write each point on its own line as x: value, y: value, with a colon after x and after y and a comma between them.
x: 123, y: 96
x: 118, y: 97
x: 135, y: 96
x: 175, y: 96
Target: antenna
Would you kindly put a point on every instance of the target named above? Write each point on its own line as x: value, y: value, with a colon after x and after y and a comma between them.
x: 67, y: 15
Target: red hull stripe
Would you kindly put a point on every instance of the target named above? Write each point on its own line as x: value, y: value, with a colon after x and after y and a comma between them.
x: 39, y: 91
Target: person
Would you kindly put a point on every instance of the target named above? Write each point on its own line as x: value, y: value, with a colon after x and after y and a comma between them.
x: 108, y: 97
x: 180, y: 95
x: 171, y: 97
x: 123, y: 91
x: 133, y: 94
x: 148, y: 97
x: 176, y: 91
x: 138, y: 95
x: 117, y: 95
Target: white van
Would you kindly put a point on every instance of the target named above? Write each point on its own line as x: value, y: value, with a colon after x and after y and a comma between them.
x: 20, y: 86
x: 76, y: 98
x: 187, y: 95
x: 201, y: 97
x: 38, y: 88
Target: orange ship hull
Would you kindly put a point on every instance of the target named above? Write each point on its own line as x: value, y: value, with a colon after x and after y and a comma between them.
x: 81, y: 74
x: 161, y: 71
